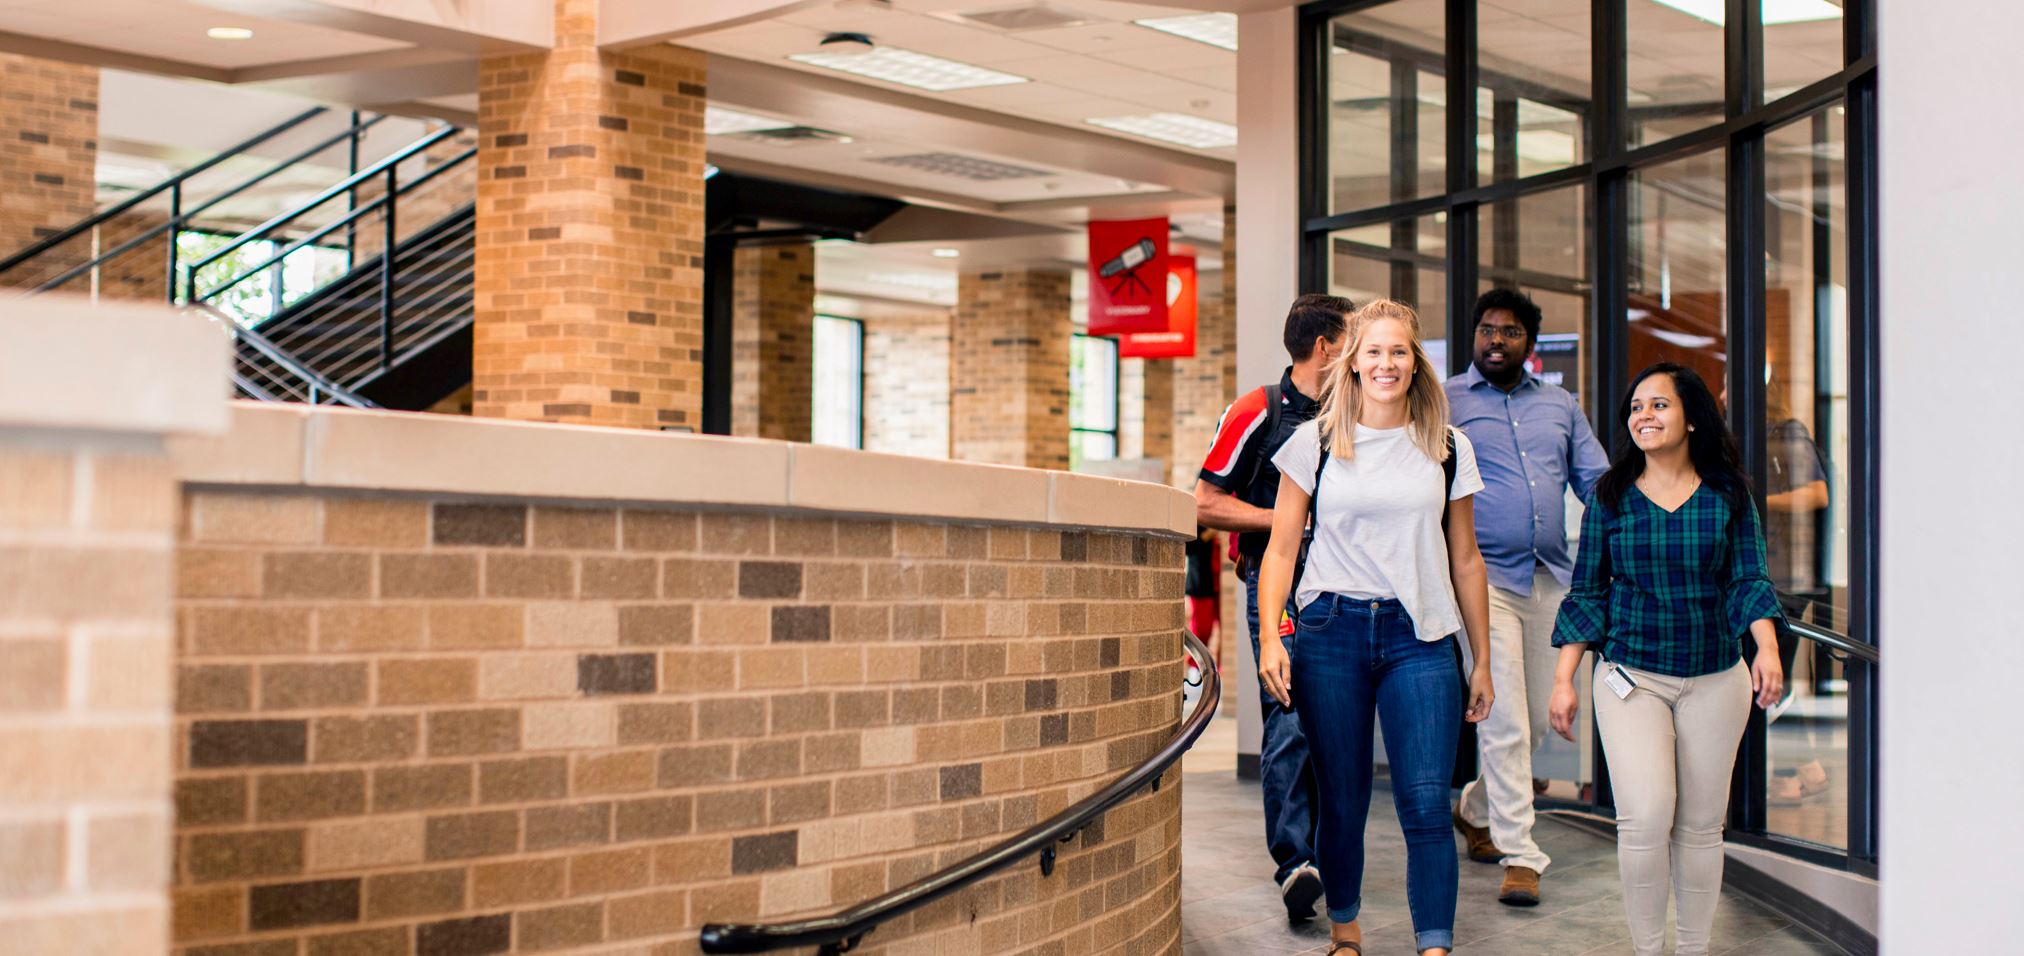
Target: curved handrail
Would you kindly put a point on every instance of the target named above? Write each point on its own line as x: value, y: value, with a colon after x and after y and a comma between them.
x: 840, y: 931
x: 82, y: 226
x: 1833, y: 640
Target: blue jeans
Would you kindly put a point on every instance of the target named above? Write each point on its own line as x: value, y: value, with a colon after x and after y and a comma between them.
x: 1352, y: 658
x: 1286, y: 776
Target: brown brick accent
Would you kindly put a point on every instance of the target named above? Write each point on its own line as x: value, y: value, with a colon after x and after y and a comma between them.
x: 589, y: 286
x: 1008, y: 378
x: 787, y: 715
x: 773, y: 341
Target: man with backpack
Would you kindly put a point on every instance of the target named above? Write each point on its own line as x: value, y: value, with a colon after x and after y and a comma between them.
x: 1236, y: 490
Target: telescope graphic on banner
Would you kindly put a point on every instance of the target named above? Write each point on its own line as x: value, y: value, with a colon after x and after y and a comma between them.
x: 1124, y: 266
x: 1128, y: 268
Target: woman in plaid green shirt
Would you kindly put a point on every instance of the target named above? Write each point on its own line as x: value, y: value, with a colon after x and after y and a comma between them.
x: 1669, y: 580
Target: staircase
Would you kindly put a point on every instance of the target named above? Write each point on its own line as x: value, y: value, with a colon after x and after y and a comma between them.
x: 367, y: 337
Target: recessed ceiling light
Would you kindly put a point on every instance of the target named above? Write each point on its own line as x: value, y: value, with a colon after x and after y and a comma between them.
x: 229, y: 33
x: 1776, y: 12
x: 1214, y: 29
x: 907, y: 68
x: 718, y: 120
x: 1178, y: 128
x: 947, y: 253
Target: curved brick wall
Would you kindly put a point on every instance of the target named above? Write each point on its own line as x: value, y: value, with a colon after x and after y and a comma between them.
x: 412, y: 721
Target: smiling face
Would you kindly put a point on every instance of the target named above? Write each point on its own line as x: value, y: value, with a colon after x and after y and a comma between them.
x: 1383, y: 362
x: 1657, y: 420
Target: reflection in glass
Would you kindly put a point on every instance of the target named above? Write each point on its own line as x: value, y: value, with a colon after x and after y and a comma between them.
x: 1802, y: 43
x: 1533, y: 63
x: 1387, y: 105
x: 1806, y: 428
x: 1538, y: 244
x: 1404, y: 260
x: 1678, y: 267
x: 1674, y: 66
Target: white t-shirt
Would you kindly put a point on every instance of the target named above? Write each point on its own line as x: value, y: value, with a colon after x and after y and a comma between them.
x: 1378, y: 532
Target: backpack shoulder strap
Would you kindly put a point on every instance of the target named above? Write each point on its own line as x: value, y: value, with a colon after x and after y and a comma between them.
x: 1272, y: 401
x: 1448, y: 480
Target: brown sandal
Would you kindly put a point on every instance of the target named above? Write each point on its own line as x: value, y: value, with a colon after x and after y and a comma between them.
x: 1342, y: 945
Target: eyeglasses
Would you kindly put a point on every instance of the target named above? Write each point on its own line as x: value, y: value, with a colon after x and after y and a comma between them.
x: 1508, y: 333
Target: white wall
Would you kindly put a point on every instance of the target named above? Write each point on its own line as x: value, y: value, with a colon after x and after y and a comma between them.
x: 1952, y: 230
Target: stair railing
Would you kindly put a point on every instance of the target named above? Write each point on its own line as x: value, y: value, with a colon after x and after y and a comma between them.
x: 388, y: 200
x: 309, y: 386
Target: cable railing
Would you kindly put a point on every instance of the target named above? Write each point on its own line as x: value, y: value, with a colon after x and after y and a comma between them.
x: 270, y: 374
x: 841, y: 931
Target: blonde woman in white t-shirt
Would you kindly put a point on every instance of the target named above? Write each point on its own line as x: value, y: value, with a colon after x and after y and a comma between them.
x: 1392, y: 574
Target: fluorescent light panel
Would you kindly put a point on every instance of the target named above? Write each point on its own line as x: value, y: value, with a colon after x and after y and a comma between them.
x: 1214, y: 29
x: 717, y: 120
x: 907, y: 68
x: 1177, y: 128
x: 1776, y: 12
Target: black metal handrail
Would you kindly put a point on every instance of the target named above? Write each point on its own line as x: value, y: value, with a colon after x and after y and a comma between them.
x: 174, y: 182
x: 382, y: 168
x: 316, y: 385
x: 1832, y: 640
x: 839, y: 932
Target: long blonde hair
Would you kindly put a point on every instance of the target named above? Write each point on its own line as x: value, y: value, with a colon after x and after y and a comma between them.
x: 1342, y: 393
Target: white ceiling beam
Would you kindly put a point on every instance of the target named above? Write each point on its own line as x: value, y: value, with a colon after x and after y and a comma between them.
x: 66, y: 52
x: 845, y: 106
x: 624, y: 23
x: 479, y: 28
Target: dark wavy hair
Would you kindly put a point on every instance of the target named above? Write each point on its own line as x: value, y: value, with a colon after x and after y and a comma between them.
x: 1709, y: 445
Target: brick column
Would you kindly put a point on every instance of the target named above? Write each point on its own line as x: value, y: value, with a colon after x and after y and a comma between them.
x: 773, y: 342
x: 1205, y: 384
x: 48, y: 159
x: 590, y: 232
x: 1146, y: 418
x: 87, y: 521
x: 1008, y: 368
x: 906, y: 385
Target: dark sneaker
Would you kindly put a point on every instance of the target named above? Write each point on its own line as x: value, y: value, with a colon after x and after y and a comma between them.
x: 1478, y: 839
x: 1300, y: 890
x: 1521, y: 887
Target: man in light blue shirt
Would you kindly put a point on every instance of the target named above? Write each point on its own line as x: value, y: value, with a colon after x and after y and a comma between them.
x: 1532, y: 443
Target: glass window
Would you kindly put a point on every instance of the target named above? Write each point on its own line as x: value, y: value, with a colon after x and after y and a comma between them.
x: 1675, y: 67
x: 258, y: 297
x: 1533, y: 62
x: 1404, y: 260
x: 1806, y: 433
x: 1538, y: 244
x: 1678, y: 267
x: 1387, y: 105
x: 1092, y: 400
x: 838, y: 415
x: 1802, y: 43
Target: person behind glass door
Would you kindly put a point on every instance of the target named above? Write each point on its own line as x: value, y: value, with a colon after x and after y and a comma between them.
x: 1669, y: 580
x: 1532, y: 444
x: 1235, y: 492
x: 1392, y: 574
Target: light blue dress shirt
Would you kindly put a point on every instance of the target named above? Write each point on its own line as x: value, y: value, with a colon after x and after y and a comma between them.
x: 1531, y: 443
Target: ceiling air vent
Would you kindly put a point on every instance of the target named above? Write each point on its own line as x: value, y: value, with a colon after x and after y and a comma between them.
x: 964, y: 167
x: 1026, y: 16
x: 792, y: 136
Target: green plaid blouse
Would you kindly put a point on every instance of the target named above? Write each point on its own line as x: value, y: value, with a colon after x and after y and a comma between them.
x: 1671, y: 593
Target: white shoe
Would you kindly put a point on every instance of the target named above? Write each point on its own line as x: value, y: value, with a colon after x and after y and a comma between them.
x: 1300, y: 890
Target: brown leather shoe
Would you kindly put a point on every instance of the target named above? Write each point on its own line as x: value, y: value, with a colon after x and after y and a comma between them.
x: 1521, y: 887
x: 1478, y: 840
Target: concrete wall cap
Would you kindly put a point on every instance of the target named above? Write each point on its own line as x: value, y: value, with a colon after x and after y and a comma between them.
x: 128, y: 367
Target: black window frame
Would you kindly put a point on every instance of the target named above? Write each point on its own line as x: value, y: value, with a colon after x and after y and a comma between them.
x: 1606, y: 170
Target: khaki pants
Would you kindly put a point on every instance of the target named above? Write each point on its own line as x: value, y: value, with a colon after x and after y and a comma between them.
x: 1671, y: 747
x: 1522, y: 661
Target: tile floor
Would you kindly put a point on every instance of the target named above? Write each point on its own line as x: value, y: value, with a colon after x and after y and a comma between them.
x: 1229, y: 906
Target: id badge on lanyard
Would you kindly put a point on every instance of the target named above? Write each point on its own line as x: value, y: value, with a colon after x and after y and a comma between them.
x: 1617, y: 679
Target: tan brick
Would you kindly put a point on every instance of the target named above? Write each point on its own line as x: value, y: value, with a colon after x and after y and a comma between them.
x: 443, y: 680
x: 913, y: 539
x: 201, y: 801
x: 130, y: 672
x: 656, y: 625
x: 39, y: 763
x: 515, y: 882
x: 34, y: 490
x: 364, y: 739
x: 312, y: 686
x: 243, y: 855
x: 421, y: 893
x: 698, y: 671
x: 730, y: 810
x: 793, y: 890
x: 557, y: 726
x: 888, y: 747
x: 831, y: 666
x: 690, y: 861
x: 529, y: 576
x: 572, y: 625
x: 655, y: 723
x: 576, y: 529
x: 476, y: 626
x: 613, y: 578
x: 375, y: 523
x: 33, y: 855
x: 428, y: 575
x: 624, y: 772
x: 255, y: 518
x: 387, y: 941
x: 127, y: 582
x: 733, y: 624
x: 353, y: 629
x: 703, y: 578
x: 429, y: 787
x: 557, y: 826
x: 738, y: 900
x: 208, y: 913
x: 463, y: 836
x: 829, y: 581
x: 364, y: 844
x: 648, y: 914
x: 772, y: 667
x: 559, y: 927
x: 521, y: 781
x: 315, y: 574
x: 453, y: 733
x: 35, y: 675
x: 737, y: 534
x: 129, y: 852
x: 526, y: 676
x: 611, y: 871
x: 246, y: 631
x: 658, y: 530
x: 864, y: 539
x: 217, y: 573
x: 309, y: 796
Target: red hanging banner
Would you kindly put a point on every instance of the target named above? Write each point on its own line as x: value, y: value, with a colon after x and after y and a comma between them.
x: 1177, y: 340
x: 1128, y: 276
